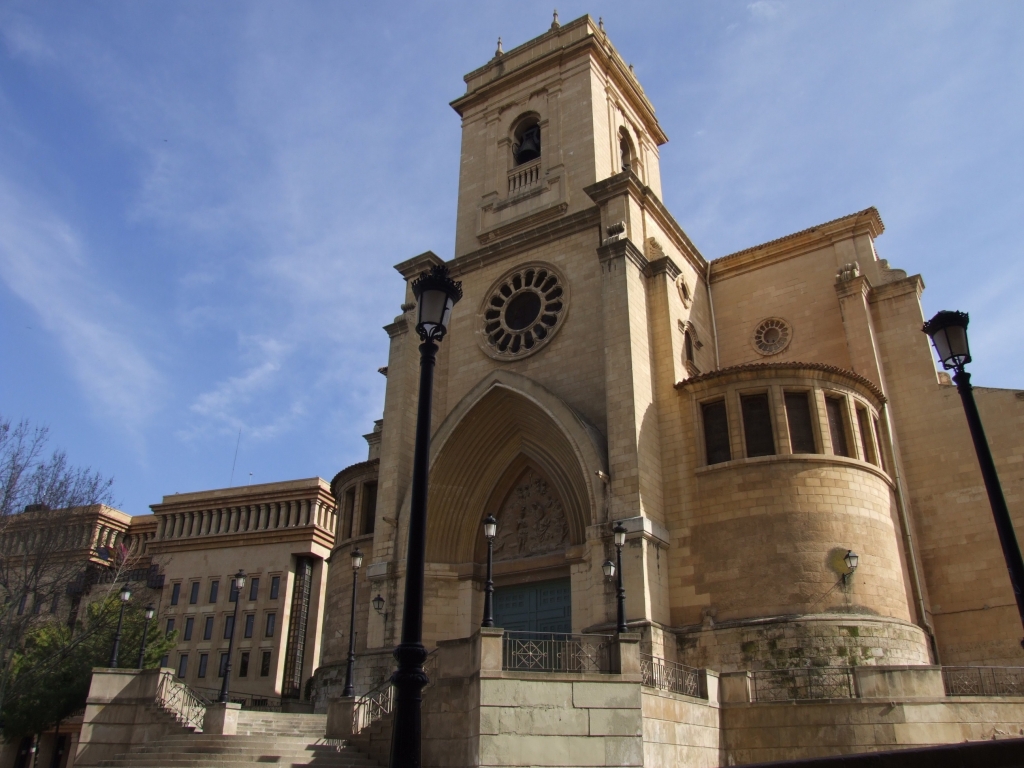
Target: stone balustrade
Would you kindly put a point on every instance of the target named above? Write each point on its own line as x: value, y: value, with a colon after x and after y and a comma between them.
x: 244, y: 518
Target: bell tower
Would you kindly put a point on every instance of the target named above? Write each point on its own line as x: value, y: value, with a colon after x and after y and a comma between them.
x: 543, y: 121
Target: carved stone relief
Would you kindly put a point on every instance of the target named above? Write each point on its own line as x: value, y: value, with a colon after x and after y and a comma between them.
x: 531, y: 520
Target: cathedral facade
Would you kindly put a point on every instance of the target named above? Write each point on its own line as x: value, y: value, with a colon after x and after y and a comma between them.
x: 796, y: 478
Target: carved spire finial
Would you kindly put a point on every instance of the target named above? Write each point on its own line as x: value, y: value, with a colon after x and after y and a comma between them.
x: 554, y: 21
x: 499, y: 52
x: 600, y: 23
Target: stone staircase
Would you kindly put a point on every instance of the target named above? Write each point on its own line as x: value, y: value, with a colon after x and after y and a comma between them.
x: 263, y: 737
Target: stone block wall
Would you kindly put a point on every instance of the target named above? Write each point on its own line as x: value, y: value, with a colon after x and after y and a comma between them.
x: 679, y: 730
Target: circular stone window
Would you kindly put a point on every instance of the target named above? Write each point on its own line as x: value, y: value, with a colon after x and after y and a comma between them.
x: 523, y: 311
x: 772, y: 336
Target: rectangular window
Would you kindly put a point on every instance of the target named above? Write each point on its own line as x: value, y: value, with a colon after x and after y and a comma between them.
x: 369, y: 508
x: 243, y: 664
x: 193, y: 595
x: 275, y: 587
x: 265, y: 664
x: 798, y: 416
x: 232, y: 591
x: 757, y: 425
x: 254, y: 589
x: 881, y: 451
x: 208, y: 628
x: 189, y: 624
x: 865, y: 435
x: 229, y: 627
x: 716, y: 432
x: 165, y: 660
x: 214, y: 588
x: 21, y: 604
x: 175, y: 592
x: 182, y: 665
x: 204, y: 660
x: 837, y: 425
x: 271, y: 624
x: 170, y: 626
x: 250, y: 624
x: 37, y: 604
x: 350, y: 512
x: 223, y: 665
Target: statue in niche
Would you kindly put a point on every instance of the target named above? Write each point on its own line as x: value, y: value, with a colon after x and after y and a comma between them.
x: 531, y: 521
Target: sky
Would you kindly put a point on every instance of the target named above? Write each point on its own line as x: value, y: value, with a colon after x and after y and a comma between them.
x: 201, y: 203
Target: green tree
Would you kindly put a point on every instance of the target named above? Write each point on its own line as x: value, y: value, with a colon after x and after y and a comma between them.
x: 51, y: 673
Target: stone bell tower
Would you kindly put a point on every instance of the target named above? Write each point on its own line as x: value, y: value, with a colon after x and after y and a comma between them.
x: 543, y: 121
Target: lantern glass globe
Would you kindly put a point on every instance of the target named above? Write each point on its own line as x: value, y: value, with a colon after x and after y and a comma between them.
x: 126, y: 594
x: 378, y: 603
x: 852, y: 559
x: 619, y: 534
x: 490, y: 527
x: 608, y: 568
x: 357, y: 559
x: 150, y: 612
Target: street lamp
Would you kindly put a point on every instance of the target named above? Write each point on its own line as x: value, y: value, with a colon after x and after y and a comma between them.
x: 150, y: 612
x: 125, y: 596
x: 357, y: 563
x: 948, y: 331
x: 850, y: 559
x: 619, y: 536
x: 490, y: 531
x: 436, y: 293
x: 237, y: 582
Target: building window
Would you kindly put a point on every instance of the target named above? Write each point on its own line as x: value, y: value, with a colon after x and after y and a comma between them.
x: 189, y: 624
x: 254, y: 588
x: 21, y: 604
x: 271, y: 624
x: 229, y: 627
x: 175, y: 592
x: 182, y: 665
x: 801, y: 428
x: 243, y: 664
x: 716, y: 432
x: 837, y: 425
x: 350, y: 512
x: 526, y: 143
x: 214, y: 589
x: 757, y: 425
x: 626, y: 152
x: 275, y: 587
x: 265, y: 664
x: 688, y: 345
x: 865, y: 435
x: 193, y: 595
x: 232, y: 591
x: 165, y: 660
x: 223, y: 667
x: 170, y: 627
x: 250, y: 623
x: 881, y: 451
x: 208, y: 628
x: 204, y: 659
x: 369, y: 508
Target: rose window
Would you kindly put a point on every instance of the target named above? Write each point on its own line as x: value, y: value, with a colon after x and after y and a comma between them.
x: 522, y: 312
x: 772, y: 336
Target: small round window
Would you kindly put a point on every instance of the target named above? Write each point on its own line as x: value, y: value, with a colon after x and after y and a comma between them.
x: 772, y: 335
x: 523, y: 311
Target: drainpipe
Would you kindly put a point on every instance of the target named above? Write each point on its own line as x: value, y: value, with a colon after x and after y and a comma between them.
x: 714, y: 326
x: 901, y: 507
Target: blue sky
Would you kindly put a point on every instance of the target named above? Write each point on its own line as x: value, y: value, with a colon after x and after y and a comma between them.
x: 201, y: 203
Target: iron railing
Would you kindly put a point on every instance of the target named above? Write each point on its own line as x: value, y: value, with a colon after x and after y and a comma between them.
x: 177, y: 698
x: 670, y: 676
x: 801, y: 683
x: 380, y: 700
x: 556, y: 652
x: 983, y: 681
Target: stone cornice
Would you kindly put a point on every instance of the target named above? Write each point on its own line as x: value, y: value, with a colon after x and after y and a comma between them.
x: 795, y: 367
x: 912, y: 284
x: 629, y: 183
x: 411, y: 268
x: 854, y: 286
x: 398, y: 327
x: 522, y: 241
x: 575, y: 38
x: 625, y: 248
x: 866, y: 222
x: 314, y: 488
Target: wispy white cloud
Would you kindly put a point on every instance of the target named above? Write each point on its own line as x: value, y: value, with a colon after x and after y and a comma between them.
x: 765, y: 9
x: 45, y: 264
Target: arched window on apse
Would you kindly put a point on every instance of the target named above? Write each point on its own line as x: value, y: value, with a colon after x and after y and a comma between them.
x: 526, y: 141
x: 688, y: 345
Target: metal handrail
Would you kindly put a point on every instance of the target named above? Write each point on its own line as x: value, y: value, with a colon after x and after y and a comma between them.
x: 555, y: 652
x: 380, y: 700
x: 188, y: 706
x: 250, y: 701
x: 671, y: 676
x: 983, y: 681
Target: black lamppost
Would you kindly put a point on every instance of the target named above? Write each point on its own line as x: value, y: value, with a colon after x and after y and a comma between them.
x: 948, y: 331
x: 150, y: 612
x: 125, y: 595
x: 357, y: 562
x: 619, y: 536
x: 490, y: 530
x: 238, y: 581
x: 436, y: 294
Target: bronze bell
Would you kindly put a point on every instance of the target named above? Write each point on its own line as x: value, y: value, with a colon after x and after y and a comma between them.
x: 528, y: 147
